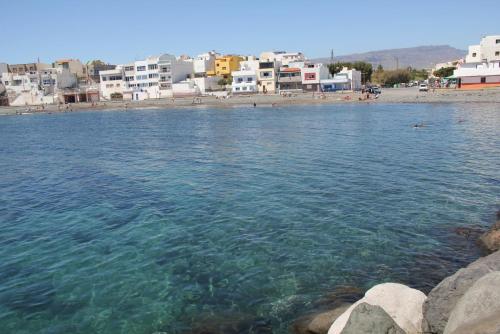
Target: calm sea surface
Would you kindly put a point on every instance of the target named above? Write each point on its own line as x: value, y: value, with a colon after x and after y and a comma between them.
x: 233, y: 220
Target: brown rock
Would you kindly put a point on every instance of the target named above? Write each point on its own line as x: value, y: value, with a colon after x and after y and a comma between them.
x: 491, y: 239
x: 318, y: 323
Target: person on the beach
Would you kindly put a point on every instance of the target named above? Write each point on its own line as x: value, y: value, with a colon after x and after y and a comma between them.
x: 254, y: 104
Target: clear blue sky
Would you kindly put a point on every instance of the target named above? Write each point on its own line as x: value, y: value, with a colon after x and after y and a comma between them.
x: 121, y: 31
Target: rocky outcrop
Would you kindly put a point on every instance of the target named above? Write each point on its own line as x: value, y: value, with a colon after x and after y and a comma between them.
x: 478, y: 311
x: 491, y: 239
x: 403, y: 304
x: 371, y: 319
x: 445, y: 296
x: 318, y: 323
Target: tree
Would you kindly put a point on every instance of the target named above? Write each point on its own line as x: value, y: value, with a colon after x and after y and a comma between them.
x: 444, y: 72
x: 380, y: 68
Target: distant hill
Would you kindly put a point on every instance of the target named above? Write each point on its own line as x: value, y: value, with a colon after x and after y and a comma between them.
x: 417, y: 57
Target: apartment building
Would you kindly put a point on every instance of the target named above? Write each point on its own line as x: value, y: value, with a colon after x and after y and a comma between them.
x: 146, y: 79
x: 482, y: 65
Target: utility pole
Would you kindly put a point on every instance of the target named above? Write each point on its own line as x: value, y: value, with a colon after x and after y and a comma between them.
x: 331, y: 57
x: 397, y: 63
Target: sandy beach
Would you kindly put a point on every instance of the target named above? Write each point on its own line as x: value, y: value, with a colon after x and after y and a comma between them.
x: 389, y: 95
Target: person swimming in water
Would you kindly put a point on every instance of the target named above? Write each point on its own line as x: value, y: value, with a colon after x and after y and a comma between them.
x: 417, y: 125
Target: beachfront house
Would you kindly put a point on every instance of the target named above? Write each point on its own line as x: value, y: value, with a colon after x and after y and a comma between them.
x: 312, y: 74
x: 269, y: 64
x: 224, y: 65
x: 482, y: 65
x: 151, y: 78
x: 111, y: 83
x: 204, y: 64
x: 346, y: 79
x: 245, y: 80
x: 289, y: 79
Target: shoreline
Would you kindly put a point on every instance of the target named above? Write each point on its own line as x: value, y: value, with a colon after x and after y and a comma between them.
x: 388, y: 96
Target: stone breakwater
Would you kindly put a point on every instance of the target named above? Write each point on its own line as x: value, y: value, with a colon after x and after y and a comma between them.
x: 467, y: 302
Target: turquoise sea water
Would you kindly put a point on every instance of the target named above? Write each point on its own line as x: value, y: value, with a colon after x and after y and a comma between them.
x: 234, y: 220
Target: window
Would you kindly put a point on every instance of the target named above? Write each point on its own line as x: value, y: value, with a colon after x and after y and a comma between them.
x: 310, y: 76
x: 141, y: 68
x: 153, y: 75
x: 6, y: 83
x: 473, y: 54
x: 32, y: 80
x: 104, y: 78
x: 497, y: 41
x: 249, y: 79
x: 152, y: 66
x: 244, y: 88
x: 483, y: 79
x: 497, y: 53
x: 240, y: 80
x: 141, y: 77
x: 237, y: 88
x: 129, y: 68
x: 267, y: 74
x: 129, y: 78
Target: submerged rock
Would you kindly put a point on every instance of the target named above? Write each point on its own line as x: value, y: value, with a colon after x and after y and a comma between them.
x: 491, y: 239
x: 402, y: 303
x: 318, y: 323
x: 478, y: 311
x: 32, y: 298
x: 469, y: 232
x: 371, y: 319
x: 444, y: 297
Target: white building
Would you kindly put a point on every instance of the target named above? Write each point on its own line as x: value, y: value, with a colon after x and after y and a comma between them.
x: 4, y: 68
x: 311, y: 75
x: 245, y: 80
x: 487, y: 50
x: 204, y: 64
x: 30, y: 87
x: 207, y: 85
x: 344, y: 80
x: 146, y: 79
x: 282, y: 57
x: 111, y: 82
x: 482, y: 65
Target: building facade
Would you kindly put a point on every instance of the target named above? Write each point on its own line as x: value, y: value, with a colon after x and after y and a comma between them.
x: 344, y: 80
x: 226, y: 64
x: 311, y: 75
x: 289, y: 79
x: 482, y: 65
x: 151, y: 78
x: 204, y: 64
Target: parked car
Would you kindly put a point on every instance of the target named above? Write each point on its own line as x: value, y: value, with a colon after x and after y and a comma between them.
x: 374, y: 90
x: 423, y: 88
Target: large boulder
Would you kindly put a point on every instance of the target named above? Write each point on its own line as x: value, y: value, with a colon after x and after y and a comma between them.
x: 402, y: 303
x: 371, y: 319
x: 318, y: 323
x: 478, y: 308
x: 491, y: 239
x: 444, y: 297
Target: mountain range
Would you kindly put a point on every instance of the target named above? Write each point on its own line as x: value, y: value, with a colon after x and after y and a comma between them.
x: 417, y: 57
